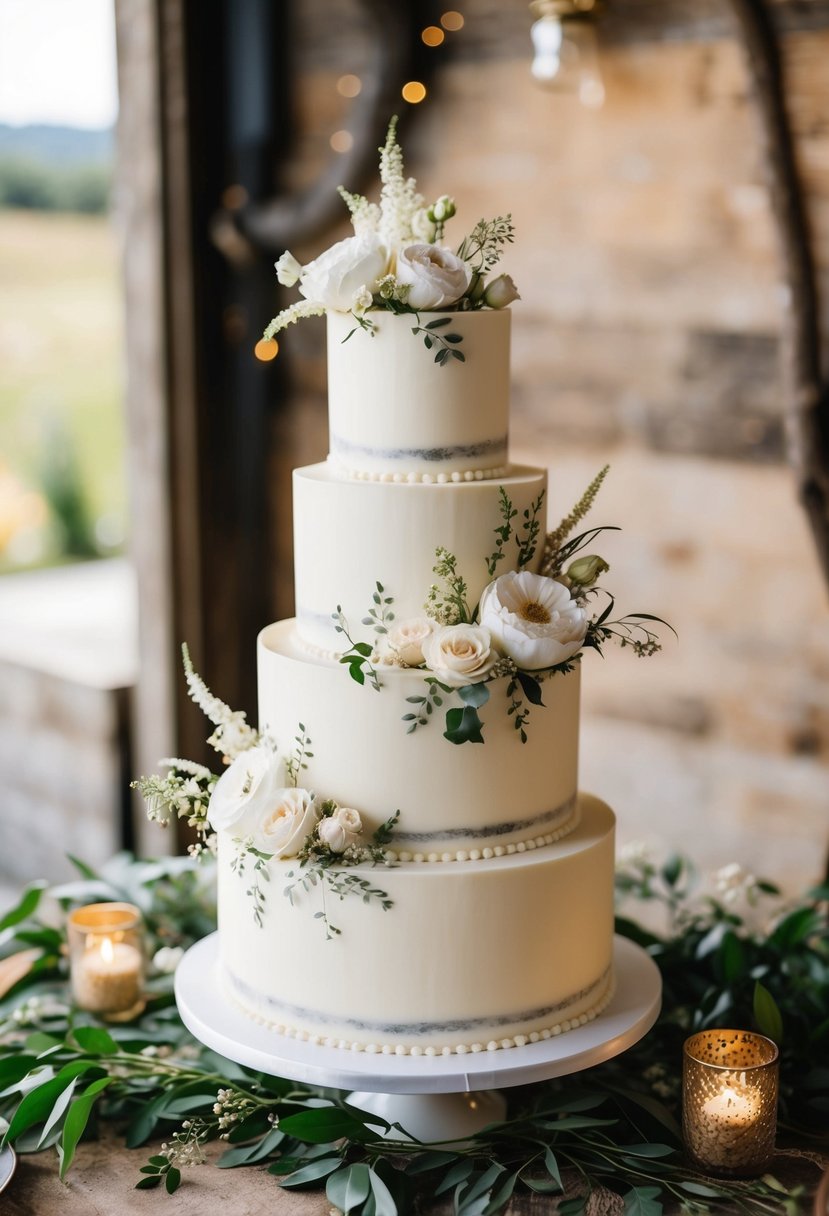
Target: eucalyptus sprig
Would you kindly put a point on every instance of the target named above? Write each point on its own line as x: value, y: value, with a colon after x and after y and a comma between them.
x: 357, y: 658
x: 447, y: 344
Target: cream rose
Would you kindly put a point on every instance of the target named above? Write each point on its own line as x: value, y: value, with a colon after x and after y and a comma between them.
x: 459, y: 654
x: 405, y: 640
x: 340, y: 830
x: 500, y: 292
x: 435, y: 276
x: 344, y: 271
x: 282, y: 829
x: 533, y: 619
x: 246, y: 789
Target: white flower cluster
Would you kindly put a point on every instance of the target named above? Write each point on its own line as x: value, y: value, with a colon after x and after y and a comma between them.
x: 525, y: 618
x: 231, y: 1107
x: 735, y: 885
x: 393, y: 258
x: 251, y: 800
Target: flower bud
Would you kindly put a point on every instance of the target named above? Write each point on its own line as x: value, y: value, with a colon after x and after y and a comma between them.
x: 500, y: 292
x: 442, y: 210
x: 584, y: 571
x: 288, y: 269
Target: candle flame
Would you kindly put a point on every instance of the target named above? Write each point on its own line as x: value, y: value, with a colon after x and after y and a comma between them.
x: 107, y: 952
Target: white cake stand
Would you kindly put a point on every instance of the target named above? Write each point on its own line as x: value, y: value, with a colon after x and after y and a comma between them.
x: 435, y: 1098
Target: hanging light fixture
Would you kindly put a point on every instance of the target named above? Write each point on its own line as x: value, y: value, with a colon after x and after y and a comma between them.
x: 565, y: 48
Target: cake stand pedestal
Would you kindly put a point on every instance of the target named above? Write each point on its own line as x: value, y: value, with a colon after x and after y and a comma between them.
x: 432, y: 1097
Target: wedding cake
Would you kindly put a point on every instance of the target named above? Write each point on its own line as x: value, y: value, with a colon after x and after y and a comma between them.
x: 405, y: 862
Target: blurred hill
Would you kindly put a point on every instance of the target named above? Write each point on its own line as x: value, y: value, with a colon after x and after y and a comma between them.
x: 54, y: 168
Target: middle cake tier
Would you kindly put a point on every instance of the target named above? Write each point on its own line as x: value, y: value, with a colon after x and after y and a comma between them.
x: 350, y: 535
x: 455, y: 801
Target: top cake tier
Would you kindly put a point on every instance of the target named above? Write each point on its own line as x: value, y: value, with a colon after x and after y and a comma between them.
x: 397, y: 415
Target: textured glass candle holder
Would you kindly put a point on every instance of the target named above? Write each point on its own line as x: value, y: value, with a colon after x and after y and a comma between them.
x: 106, y: 960
x: 729, y: 1101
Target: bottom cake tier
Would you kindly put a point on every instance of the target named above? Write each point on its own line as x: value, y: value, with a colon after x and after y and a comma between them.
x: 468, y: 956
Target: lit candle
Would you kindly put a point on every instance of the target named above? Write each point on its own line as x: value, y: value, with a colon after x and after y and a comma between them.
x: 729, y: 1101
x: 106, y: 960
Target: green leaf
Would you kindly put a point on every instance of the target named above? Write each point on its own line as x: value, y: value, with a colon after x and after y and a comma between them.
x: 530, y: 687
x: 649, y: 1150
x: 731, y: 958
x: 672, y: 870
x: 323, y: 1125
x: 459, y: 1172
x: 552, y: 1167
x: 38, y: 1103
x: 572, y: 1207
x: 643, y: 1201
x: 767, y: 1014
x: 172, y: 1179
x: 40, y: 1043
x: 58, y: 1111
x: 463, y: 726
x: 384, y: 1204
x: 147, y: 1184
x: 439, y: 323
x: 83, y: 869
x: 15, y: 1068
x: 25, y: 907
x: 94, y: 1041
x: 699, y: 1188
x: 474, y: 694
x: 313, y: 1172
x: 349, y: 1188
x: 543, y: 1186
x: 247, y: 1154
x: 77, y: 1119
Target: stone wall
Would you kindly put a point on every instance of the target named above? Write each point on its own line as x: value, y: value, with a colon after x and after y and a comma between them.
x: 649, y: 335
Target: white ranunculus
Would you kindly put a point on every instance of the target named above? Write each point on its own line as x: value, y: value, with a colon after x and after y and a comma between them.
x: 533, y: 619
x: 406, y: 638
x: 500, y: 292
x: 246, y: 789
x: 349, y: 267
x: 459, y: 654
x: 435, y: 276
x: 284, y: 826
x: 288, y: 269
x: 340, y: 830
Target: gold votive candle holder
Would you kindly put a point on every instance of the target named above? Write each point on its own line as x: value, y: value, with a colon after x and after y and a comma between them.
x: 106, y: 960
x: 729, y: 1101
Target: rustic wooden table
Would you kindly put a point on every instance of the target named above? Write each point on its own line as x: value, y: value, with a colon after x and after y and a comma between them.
x: 102, y: 1179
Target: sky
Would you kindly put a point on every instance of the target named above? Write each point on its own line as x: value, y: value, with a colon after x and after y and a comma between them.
x: 57, y: 62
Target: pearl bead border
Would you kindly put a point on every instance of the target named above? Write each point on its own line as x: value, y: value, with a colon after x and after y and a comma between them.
x: 459, y: 1049
x: 418, y: 477
x: 406, y: 856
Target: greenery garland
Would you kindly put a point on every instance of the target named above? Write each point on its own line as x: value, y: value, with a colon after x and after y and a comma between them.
x: 725, y: 960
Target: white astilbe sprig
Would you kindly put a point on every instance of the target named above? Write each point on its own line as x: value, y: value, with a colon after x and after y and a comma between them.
x: 289, y: 316
x: 186, y: 766
x: 399, y: 198
x: 365, y: 216
x: 234, y: 734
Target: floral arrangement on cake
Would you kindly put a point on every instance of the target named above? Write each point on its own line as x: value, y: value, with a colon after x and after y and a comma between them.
x: 527, y: 626
x: 259, y: 800
x: 396, y: 260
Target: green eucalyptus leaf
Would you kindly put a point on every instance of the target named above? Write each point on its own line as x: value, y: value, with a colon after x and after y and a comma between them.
x: 349, y: 1188
x: 25, y: 907
x: 314, y: 1171
x: 463, y: 726
x: 77, y: 1119
x: 439, y: 323
x: 37, y: 1104
x: 384, y: 1202
x: 58, y: 1111
x: 475, y: 695
x: 643, y: 1201
x: 322, y: 1126
x: 552, y: 1167
x: 767, y: 1014
x: 94, y: 1041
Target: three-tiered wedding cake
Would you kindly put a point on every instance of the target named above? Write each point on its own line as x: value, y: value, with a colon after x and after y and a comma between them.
x: 483, y: 915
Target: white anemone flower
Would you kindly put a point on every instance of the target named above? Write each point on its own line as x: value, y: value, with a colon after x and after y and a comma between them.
x: 533, y: 619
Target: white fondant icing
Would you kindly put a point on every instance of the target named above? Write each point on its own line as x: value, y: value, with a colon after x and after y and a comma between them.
x: 470, y: 952
x: 392, y: 408
x: 464, y: 797
x: 348, y: 535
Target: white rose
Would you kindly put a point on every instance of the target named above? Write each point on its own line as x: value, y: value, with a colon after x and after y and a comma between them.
x: 500, y: 292
x: 533, y: 619
x: 288, y: 269
x: 350, y: 266
x: 406, y: 638
x: 246, y: 788
x: 341, y: 829
x: 435, y: 276
x: 281, y: 830
x: 459, y: 654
